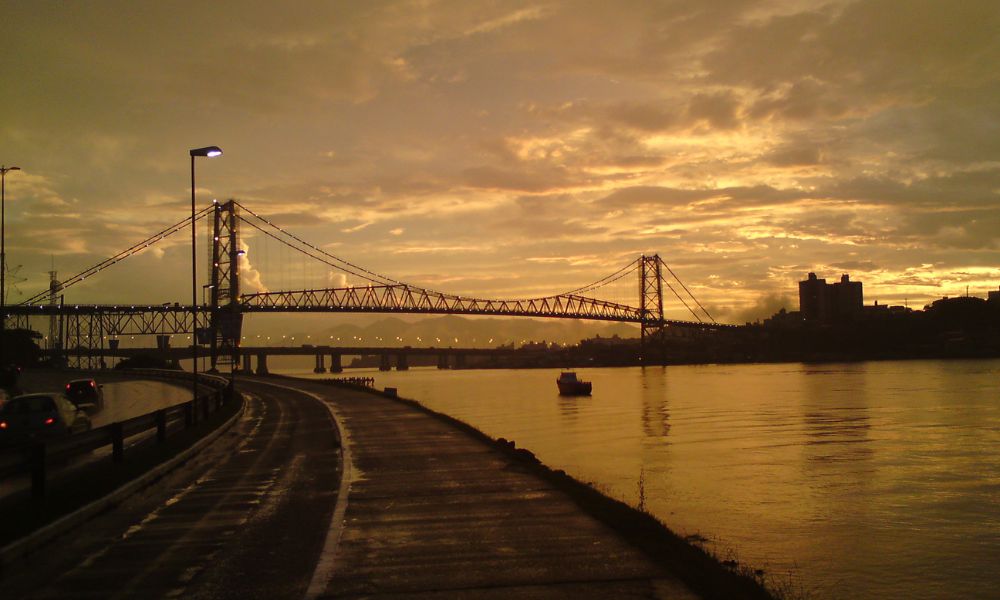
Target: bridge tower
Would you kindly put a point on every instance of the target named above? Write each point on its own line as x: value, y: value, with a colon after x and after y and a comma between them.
x: 650, y: 301
x: 226, y: 322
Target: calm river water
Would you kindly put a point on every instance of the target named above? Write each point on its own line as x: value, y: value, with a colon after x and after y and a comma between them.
x: 862, y: 480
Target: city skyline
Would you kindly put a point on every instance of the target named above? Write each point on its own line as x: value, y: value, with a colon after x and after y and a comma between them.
x: 517, y: 149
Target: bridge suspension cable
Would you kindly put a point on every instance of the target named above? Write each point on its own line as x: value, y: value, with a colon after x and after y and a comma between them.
x: 671, y: 288
x: 322, y: 259
x: 378, y: 279
x: 619, y: 274
x: 349, y: 267
x: 133, y: 250
x: 678, y: 279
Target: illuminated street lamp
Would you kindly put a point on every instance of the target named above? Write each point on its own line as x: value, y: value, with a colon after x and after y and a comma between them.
x: 210, y: 152
x: 3, y: 248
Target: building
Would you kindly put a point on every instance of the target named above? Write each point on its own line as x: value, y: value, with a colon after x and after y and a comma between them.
x: 813, y: 298
x: 825, y: 303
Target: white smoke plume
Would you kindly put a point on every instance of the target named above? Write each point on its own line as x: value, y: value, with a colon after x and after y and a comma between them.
x: 250, y: 277
x: 337, y: 279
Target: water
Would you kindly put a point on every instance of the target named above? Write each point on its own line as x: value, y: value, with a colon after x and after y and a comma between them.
x: 861, y: 480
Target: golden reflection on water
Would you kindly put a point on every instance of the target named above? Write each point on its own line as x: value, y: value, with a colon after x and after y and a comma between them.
x: 864, y: 480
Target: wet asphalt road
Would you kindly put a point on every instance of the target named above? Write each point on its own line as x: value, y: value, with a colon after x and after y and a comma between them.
x: 246, y: 519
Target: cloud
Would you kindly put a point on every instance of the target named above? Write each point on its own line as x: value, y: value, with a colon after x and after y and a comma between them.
x: 762, y: 307
x: 794, y: 155
x: 517, y: 180
x: 251, y: 280
x: 336, y: 279
x: 748, y: 141
x: 719, y: 109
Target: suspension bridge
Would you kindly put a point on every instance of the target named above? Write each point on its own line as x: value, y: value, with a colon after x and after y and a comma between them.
x: 217, y: 322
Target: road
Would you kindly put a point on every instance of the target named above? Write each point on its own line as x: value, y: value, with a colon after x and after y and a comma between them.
x: 248, y: 518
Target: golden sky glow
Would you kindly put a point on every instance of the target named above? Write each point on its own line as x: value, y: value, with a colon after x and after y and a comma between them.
x: 515, y: 149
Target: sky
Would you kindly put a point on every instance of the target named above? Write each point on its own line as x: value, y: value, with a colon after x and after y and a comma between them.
x: 513, y: 149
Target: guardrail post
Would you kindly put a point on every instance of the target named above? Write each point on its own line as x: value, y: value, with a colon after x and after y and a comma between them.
x: 188, y: 414
x: 37, y: 461
x: 161, y: 425
x: 205, y: 406
x: 117, y: 443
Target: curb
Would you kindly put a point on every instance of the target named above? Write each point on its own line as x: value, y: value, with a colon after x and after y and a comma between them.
x: 24, y: 546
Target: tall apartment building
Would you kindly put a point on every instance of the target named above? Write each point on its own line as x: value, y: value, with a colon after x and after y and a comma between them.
x: 822, y: 302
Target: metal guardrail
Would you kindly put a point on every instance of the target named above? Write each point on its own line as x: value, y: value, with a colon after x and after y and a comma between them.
x: 34, y: 456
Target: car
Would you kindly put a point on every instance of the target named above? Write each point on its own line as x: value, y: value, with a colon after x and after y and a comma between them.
x: 40, y: 416
x: 86, y: 394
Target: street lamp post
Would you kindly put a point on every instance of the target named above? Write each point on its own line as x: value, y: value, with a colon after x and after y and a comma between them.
x: 3, y: 251
x: 210, y: 152
x: 204, y: 291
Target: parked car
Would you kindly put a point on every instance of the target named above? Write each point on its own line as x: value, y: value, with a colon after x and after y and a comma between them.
x: 40, y: 416
x: 86, y: 394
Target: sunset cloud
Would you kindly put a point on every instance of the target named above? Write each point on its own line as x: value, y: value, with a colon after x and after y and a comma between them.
x: 517, y: 148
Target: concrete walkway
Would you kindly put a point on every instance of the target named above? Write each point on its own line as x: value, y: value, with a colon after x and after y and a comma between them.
x: 433, y: 512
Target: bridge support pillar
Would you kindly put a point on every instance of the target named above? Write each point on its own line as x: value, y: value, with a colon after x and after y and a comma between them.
x: 262, y: 364
x: 442, y: 361
x: 335, y: 366
x: 401, y: 363
x: 459, y: 361
x: 245, y: 367
x: 320, y: 364
x: 384, y: 364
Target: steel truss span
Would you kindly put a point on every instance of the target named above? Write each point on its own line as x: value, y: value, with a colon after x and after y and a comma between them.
x: 406, y: 299
x: 114, y: 320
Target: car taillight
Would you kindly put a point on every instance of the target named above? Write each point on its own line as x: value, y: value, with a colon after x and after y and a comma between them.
x: 67, y: 387
x: 93, y: 383
x: 49, y: 421
x: 3, y: 424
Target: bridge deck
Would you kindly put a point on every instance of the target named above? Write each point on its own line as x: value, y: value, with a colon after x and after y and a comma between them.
x: 433, y: 511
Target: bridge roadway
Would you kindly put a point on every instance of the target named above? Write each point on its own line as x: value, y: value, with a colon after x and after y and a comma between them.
x: 431, y: 512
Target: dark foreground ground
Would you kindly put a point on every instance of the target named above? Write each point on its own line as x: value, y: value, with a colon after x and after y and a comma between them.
x: 433, y: 510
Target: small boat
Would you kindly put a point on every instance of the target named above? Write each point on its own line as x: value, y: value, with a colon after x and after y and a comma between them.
x: 569, y: 385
